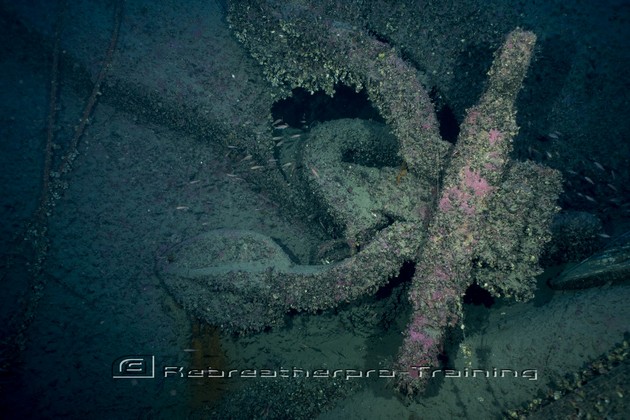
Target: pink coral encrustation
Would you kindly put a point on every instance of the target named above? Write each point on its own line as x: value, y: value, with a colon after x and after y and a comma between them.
x: 476, y: 182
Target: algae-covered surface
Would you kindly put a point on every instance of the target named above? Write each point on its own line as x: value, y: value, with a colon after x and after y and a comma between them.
x: 225, y: 243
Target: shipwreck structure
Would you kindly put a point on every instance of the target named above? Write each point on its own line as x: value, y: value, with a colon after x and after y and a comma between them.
x: 392, y: 193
